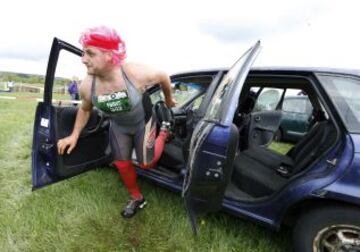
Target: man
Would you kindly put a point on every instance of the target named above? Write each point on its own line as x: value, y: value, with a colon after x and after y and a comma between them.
x: 116, y: 88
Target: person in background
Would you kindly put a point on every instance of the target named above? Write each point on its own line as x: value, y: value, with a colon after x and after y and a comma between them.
x: 73, y: 90
x: 10, y: 86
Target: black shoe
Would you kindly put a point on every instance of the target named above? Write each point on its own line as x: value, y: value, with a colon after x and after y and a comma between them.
x: 132, y: 207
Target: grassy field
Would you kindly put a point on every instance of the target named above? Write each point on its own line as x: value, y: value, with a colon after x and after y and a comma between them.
x: 83, y: 213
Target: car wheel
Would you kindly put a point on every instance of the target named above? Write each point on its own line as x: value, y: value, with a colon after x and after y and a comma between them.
x: 328, y: 229
x: 278, y: 135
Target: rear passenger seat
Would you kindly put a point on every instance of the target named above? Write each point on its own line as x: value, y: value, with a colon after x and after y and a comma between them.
x: 265, y: 171
x: 299, y: 156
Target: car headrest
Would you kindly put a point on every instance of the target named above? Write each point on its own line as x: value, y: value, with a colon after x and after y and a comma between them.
x: 248, y: 104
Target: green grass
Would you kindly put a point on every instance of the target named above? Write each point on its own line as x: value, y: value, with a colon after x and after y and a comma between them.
x: 83, y: 213
x: 35, y: 95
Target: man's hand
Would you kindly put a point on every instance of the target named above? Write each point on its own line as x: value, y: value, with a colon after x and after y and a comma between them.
x: 170, y: 102
x: 67, y: 142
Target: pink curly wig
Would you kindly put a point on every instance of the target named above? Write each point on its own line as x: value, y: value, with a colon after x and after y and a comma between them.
x: 106, y: 39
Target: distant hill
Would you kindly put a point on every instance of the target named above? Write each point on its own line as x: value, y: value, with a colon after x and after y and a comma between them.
x: 29, y: 78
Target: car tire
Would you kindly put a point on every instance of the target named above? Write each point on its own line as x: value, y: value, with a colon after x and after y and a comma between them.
x: 332, y: 226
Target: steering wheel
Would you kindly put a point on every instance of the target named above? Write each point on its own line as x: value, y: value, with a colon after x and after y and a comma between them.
x: 163, y: 113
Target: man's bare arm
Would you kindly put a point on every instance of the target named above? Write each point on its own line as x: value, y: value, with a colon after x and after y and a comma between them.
x: 146, y: 76
x: 84, y: 111
x: 82, y: 117
x: 164, y: 80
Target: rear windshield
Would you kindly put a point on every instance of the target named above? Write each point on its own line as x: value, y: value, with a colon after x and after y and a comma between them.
x: 345, y: 93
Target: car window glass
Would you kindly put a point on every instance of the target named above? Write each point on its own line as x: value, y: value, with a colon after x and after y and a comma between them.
x: 296, y: 101
x: 214, y: 111
x: 196, y: 103
x: 268, y: 99
x: 68, y: 75
x: 344, y: 92
x: 157, y: 96
x: 183, y: 92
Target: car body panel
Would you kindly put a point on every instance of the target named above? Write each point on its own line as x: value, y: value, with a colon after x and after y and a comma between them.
x: 356, y: 140
x: 347, y: 186
x: 270, y: 212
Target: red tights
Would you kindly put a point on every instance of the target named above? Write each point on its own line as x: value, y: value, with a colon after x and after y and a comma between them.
x: 127, y: 171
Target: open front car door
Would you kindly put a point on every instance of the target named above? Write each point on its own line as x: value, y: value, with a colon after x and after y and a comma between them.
x: 214, y: 143
x: 53, y: 122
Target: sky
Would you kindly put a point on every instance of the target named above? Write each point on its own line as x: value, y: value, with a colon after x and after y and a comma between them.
x: 177, y: 36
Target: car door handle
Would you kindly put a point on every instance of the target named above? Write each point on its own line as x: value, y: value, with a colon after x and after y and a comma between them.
x: 102, y: 124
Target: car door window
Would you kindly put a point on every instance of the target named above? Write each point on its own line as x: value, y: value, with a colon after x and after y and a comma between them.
x: 222, y: 109
x: 299, y: 105
x: 268, y: 99
x: 197, y: 102
x: 67, y: 80
x: 213, y: 111
x: 344, y: 92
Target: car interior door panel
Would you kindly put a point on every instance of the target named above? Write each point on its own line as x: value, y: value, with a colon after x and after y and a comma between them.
x: 263, y: 126
x: 93, y: 139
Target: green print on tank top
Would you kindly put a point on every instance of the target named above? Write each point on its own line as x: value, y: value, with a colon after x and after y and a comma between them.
x: 114, y: 102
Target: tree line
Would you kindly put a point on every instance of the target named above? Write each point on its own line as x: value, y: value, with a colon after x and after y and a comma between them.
x: 29, y: 78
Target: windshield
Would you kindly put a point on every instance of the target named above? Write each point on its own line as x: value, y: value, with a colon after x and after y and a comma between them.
x: 344, y: 91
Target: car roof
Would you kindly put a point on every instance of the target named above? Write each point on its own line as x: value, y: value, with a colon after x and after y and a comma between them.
x: 278, y: 69
x: 309, y: 69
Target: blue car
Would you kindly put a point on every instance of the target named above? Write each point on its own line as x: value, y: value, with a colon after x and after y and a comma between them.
x: 219, y: 157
